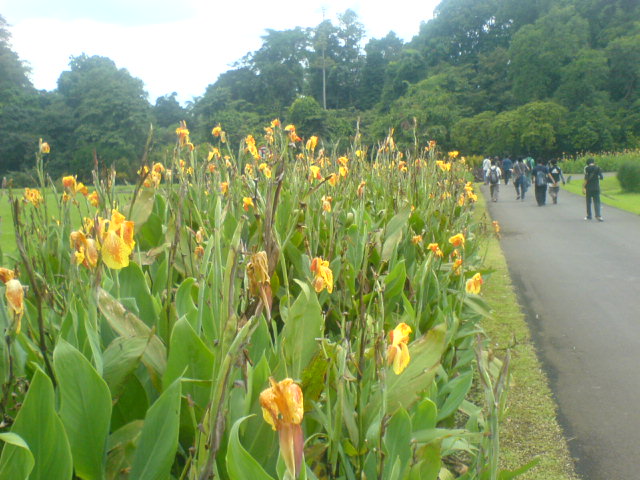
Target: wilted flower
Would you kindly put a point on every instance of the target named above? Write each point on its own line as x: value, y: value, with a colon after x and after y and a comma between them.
x: 398, y: 352
x: 283, y: 408
x: 361, y: 188
x: 326, y: 203
x: 323, y: 275
x: 473, y: 284
x: 86, y: 249
x: 14, y: 293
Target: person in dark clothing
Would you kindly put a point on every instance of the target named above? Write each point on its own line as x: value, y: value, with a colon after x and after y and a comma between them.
x: 591, y: 188
x: 520, y: 180
x: 507, y: 166
x: 540, y: 175
x: 556, y: 173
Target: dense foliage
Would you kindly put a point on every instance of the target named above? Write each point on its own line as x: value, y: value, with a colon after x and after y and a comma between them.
x: 486, y: 76
x: 168, y: 330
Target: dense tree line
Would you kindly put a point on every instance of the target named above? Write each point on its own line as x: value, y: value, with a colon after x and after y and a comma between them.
x: 482, y: 76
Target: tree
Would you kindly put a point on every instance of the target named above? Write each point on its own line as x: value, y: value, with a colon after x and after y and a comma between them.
x: 167, y: 111
x: 308, y: 117
x: 379, y: 53
x: 111, y: 114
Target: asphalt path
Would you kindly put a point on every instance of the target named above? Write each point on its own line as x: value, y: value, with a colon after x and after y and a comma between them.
x: 579, y: 284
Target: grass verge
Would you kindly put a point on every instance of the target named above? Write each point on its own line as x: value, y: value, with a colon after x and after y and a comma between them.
x: 610, y: 193
x: 529, y: 428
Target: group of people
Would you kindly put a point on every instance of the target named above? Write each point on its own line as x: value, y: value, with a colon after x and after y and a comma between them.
x: 544, y: 176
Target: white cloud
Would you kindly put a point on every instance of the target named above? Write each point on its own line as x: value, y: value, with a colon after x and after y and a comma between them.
x: 187, y: 55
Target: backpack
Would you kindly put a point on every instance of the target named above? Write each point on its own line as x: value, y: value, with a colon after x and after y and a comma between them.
x: 541, y: 179
x: 493, y: 176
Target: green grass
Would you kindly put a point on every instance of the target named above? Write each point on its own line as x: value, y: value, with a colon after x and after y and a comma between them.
x: 610, y: 193
x: 529, y: 429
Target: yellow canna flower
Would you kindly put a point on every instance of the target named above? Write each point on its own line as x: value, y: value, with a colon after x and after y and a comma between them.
x: 344, y: 171
x: 14, y: 294
x: 275, y: 123
x: 457, y: 240
x: 453, y: 154
x: 312, y: 142
x: 333, y: 179
x: 398, y: 352
x: 457, y: 265
x: 283, y: 408
x: 416, y: 239
x: 183, y: 133
x: 117, y: 241
x: 33, y: 196
x: 473, y: 284
x: 290, y: 128
x: 435, y: 248
x: 315, y: 173
x: 246, y: 203
x: 323, y: 275
x: 216, y: 131
x: 224, y: 187
x: 496, y: 226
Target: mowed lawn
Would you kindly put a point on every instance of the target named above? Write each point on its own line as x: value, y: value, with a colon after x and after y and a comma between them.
x: 610, y: 193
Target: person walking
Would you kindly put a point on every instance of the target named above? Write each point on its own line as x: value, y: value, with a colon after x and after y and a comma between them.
x: 520, y: 178
x: 486, y: 165
x: 556, y: 173
x: 591, y: 188
x: 494, y: 177
x: 540, y: 175
x: 507, y: 167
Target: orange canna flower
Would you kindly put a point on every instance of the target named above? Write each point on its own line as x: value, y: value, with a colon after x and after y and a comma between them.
x: 283, y: 408
x: 69, y: 183
x: 275, y: 123
x: 398, y: 352
x: 435, y: 248
x: 94, y: 199
x: 473, y: 284
x: 6, y: 274
x: 457, y: 240
x: 246, y: 203
x: 323, y: 275
x: 183, y: 133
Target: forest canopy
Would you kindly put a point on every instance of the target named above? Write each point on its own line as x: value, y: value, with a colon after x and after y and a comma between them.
x: 498, y: 77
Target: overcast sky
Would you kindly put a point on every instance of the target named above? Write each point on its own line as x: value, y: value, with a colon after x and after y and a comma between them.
x: 178, y: 46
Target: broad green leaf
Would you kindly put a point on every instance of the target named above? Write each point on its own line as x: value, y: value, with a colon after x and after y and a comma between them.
x: 85, y: 410
x: 121, y: 447
x: 189, y: 356
x: 454, y: 393
x: 404, y: 389
x: 128, y: 325
x: 240, y: 464
x: 134, y: 285
x: 185, y: 305
x: 393, y: 233
x: 429, y: 465
x: 121, y: 358
x: 131, y: 403
x: 38, y: 424
x: 143, y: 206
x: 425, y: 415
x: 159, y: 438
x: 20, y: 460
x: 304, y: 324
x: 397, y: 443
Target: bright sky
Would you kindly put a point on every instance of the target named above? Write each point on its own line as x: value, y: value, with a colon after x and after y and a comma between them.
x: 178, y: 46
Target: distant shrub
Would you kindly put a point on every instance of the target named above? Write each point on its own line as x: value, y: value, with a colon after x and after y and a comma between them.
x: 608, y: 162
x: 629, y: 176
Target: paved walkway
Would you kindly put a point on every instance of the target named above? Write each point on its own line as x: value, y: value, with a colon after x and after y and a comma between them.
x: 579, y: 284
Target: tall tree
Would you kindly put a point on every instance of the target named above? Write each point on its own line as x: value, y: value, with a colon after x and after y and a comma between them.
x: 111, y: 113
x: 379, y: 53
